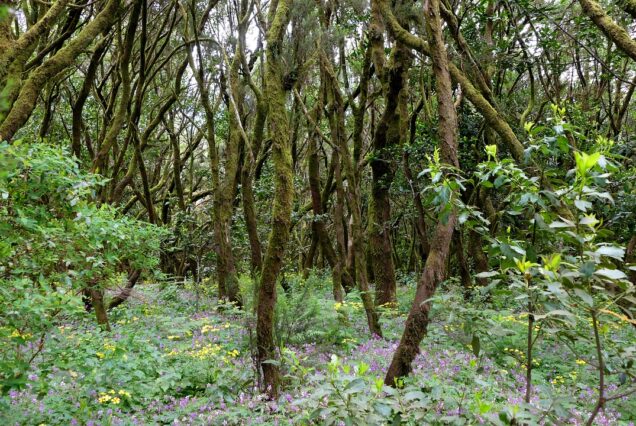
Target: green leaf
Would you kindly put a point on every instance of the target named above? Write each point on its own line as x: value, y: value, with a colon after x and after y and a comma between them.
x: 611, y: 251
x: 487, y: 274
x: 582, y: 205
x: 563, y: 223
x: 356, y: 385
x: 585, y: 296
x: 613, y: 274
x: 415, y: 395
x: 382, y: 409
x: 475, y: 345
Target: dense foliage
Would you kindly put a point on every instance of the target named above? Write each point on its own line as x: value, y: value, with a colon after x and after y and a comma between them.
x: 352, y: 212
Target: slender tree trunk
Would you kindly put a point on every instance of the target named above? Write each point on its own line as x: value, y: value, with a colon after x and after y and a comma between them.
x: 124, y: 294
x: 247, y: 181
x: 389, y: 134
x: 353, y: 198
x: 224, y: 205
x: 283, y: 196
x: 434, y: 271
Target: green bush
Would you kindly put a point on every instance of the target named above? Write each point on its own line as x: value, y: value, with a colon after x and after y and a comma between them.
x: 55, y: 242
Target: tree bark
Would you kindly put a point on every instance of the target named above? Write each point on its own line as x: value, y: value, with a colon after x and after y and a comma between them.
x: 10, y: 52
x: 434, y: 271
x: 388, y: 136
x: 353, y: 197
x: 124, y: 294
x: 611, y: 29
x: 279, y: 130
x: 25, y: 103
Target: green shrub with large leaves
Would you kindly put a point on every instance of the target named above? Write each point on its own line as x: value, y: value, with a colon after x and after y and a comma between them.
x: 55, y: 241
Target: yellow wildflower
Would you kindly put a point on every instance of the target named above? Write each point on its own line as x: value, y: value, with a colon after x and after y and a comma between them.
x: 100, y: 355
x: 580, y: 362
x: 558, y: 379
x: 18, y: 334
x: 209, y: 329
x: 205, y: 352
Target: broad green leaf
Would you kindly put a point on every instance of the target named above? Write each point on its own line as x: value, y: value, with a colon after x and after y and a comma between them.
x: 613, y: 274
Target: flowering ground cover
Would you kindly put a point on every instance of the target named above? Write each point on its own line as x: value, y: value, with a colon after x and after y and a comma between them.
x: 169, y: 361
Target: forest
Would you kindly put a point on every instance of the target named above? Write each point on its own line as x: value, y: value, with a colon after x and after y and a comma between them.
x: 317, y: 212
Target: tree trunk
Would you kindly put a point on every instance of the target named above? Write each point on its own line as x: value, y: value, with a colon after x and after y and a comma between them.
x: 436, y: 263
x: 389, y: 134
x: 283, y: 196
x: 25, y: 103
x: 353, y: 197
x: 226, y: 189
x: 124, y: 294
x: 97, y: 301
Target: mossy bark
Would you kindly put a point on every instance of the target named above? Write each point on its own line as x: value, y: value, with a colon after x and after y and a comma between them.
x: 319, y: 233
x: 11, y: 50
x: 487, y: 110
x: 279, y: 131
x: 436, y: 264
x: 252, y: 148
x: 25, y: 103
x: 388, y: 136
x: 117, y: 121
x: 353, y: 197
x: 225, y: 194
x: 611, y: 29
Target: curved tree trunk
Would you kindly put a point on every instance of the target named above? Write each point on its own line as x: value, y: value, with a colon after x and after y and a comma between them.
x: 25, y: 103
x: 124, y: 294
x: 436, y: 263
x: 611, y: 29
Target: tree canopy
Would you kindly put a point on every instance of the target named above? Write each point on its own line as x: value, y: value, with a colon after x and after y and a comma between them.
x: 425, y: 175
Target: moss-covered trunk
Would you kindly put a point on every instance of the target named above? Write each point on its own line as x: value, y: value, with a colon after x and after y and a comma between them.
x: 436, y: 264
x: 353, y: 193
x: 247, y: 180
x: 278, y: 125
x: 389, y: 134
x: 225, y: 194
x: 25, y: 103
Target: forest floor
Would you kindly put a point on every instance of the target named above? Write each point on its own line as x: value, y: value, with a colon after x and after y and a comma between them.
x: 176, y: 358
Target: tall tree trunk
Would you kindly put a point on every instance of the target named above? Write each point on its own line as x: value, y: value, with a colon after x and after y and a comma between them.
x: 247, y: 180
x: 224, y: 199
x: 283, y: 195
x: 353, y: 196
x: 389, y: 134
x: 436, y: 263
